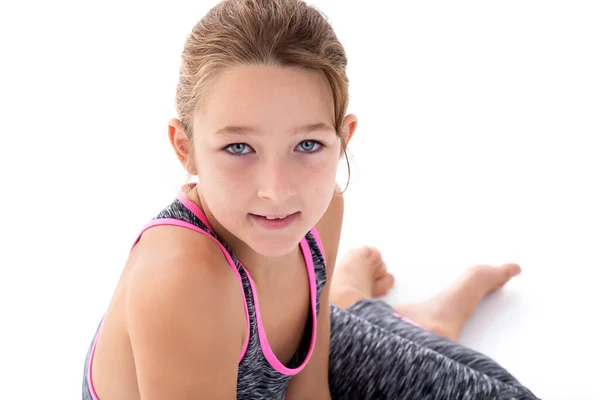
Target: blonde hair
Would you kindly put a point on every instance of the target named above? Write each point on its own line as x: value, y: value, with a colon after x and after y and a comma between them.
x: 264, y: 32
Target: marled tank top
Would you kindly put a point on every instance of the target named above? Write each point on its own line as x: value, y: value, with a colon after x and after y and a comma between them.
x: 260, y: 374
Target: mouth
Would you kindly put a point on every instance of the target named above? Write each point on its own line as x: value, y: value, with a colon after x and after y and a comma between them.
x: 275, y: 221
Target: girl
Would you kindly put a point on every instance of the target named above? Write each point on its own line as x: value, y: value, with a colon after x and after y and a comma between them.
x: 227, y: 292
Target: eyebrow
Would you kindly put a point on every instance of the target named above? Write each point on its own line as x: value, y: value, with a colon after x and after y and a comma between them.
x: 244, y: 130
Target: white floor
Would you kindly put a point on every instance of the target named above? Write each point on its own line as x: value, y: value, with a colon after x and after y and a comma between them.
x: 541, y: 326
x: 477, y: 143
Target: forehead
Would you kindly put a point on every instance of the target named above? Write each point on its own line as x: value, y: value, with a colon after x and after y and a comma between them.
x: 255, y: 95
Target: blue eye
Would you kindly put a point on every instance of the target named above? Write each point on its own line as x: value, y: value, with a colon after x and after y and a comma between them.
x: 238, y: 149
x: 309, y: 146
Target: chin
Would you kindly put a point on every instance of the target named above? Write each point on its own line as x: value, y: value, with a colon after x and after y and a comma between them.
x: 276, y: 246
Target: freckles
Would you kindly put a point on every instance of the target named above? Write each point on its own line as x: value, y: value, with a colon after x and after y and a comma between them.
x: 233, y: 179
x: 320, y: 175
x: 230, y: 181
x: 227, y: 169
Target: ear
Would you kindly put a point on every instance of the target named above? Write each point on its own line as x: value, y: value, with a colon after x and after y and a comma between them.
x: 348, y: 127
x: 182, y: 145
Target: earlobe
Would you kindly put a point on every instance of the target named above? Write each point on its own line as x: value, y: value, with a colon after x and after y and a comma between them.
x: 181, y: 144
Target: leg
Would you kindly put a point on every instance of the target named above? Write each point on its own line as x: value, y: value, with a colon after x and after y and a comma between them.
x: 448, y: 312
x: 367, y: 361
x: 382, y: 315
x: 362, y: 275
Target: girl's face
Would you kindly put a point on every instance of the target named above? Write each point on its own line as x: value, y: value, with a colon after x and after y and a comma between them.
x: 266, y: 154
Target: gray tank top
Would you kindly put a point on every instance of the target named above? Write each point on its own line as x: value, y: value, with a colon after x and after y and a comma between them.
x: 260, y: 374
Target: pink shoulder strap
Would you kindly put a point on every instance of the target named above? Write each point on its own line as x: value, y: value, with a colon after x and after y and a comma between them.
x: 187, y: 225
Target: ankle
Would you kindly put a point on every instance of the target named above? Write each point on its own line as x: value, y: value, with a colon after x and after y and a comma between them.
x: 345, y: 297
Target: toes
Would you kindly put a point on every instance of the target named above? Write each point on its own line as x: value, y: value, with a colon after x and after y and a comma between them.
x: 362, y: 254
x: 369, y: 252
x: 503, y: 272
x: 511, y: 270
x: 373, y: 255
x: 492, y: 278
x: 383, y: 285
x: 380, y: 270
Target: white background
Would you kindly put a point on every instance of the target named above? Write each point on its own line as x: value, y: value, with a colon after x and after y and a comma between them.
x: 477, y: 143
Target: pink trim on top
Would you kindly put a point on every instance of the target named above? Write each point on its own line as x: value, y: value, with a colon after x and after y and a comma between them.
x: 402, y: 317
x: 193, y: 207
x: 89, y: 374
x: 315, y: 234
x: 262, y: 336
x: 183, y: 224
x: 264, y: 343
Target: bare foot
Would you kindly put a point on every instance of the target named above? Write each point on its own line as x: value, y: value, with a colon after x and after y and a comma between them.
x: 361, y: 274
x: 447, y: 313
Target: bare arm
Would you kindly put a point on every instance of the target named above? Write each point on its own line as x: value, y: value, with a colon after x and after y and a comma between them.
x: 312, y: 382
x: 185, y: 341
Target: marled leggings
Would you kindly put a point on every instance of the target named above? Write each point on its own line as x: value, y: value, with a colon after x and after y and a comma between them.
x: 376, y: 355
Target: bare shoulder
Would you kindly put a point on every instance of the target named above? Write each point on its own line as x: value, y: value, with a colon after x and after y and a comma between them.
x: 181, y: 306
x: 175, y: 261
x: 179, y: 252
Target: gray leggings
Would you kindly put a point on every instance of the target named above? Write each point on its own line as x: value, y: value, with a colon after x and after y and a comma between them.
x: 376, y: 355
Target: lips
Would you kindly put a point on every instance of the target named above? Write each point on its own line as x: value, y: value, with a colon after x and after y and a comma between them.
x: 275, y: 221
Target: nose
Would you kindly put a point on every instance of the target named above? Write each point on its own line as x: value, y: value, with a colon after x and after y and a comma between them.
x: 276, y: 182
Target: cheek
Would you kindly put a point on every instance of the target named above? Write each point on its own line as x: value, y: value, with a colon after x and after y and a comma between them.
x: 323, y: 165
x: 221, y: 178
x: 320, y: 179
x: 231, y: 173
